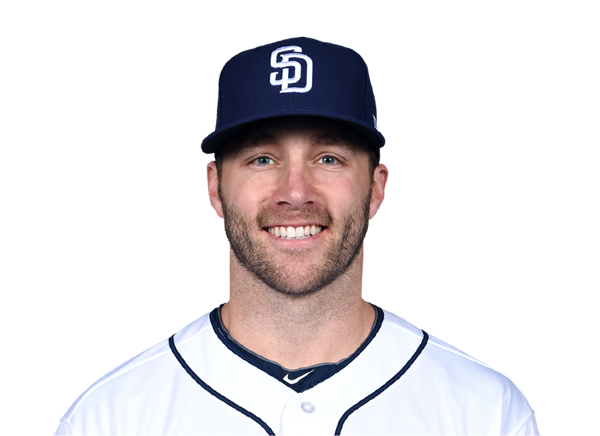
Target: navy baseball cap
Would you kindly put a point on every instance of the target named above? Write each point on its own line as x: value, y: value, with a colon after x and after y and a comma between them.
x: 297, y: 76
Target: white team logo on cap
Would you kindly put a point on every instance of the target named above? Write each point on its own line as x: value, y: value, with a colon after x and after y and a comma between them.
x: 286, y: 64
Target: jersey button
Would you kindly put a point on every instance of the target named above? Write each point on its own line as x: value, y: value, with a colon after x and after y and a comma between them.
x: 307, y: 407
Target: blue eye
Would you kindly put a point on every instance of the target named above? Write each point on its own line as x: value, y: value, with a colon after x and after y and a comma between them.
x: 263, y: 160
x: 328, y: 160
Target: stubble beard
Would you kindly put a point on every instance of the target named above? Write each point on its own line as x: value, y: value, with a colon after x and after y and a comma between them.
x: 313, y: 276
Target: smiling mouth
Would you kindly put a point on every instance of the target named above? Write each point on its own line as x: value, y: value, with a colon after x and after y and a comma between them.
x: 300, y: 232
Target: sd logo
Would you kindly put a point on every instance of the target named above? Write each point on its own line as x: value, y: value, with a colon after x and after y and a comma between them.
x: 287, y: 53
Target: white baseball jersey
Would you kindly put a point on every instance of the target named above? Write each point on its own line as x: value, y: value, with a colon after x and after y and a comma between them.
x: 400, y: 381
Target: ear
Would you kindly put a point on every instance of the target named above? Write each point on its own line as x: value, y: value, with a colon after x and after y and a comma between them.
x: 212, y: 177
x: 379, y: 180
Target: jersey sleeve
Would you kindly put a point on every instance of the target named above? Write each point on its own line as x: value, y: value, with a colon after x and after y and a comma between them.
x: 518, y: 418
x: 63, y: 429
x: 529, y: 427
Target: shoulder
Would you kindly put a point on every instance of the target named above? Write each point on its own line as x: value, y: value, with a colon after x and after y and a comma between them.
x: 459, y: 383
x: 439, y: 356
x: 126, y: 387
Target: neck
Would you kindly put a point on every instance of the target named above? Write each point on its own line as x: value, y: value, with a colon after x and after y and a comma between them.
x: 298, y: 331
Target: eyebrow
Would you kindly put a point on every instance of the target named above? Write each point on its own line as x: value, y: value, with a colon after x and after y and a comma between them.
x: 254, y: 141
x: 337, y: 140
x: 263, y: 138
x: 269, y: 138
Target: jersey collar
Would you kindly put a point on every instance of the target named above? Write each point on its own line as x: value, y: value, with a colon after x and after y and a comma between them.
x: 298, y: 379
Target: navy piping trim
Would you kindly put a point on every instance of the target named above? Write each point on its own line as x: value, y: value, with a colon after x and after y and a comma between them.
x: 215, y: 393
x: 267, y: 366
x: 390, y: 382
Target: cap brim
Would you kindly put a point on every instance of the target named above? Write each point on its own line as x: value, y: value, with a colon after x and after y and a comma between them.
x: 213, y: 142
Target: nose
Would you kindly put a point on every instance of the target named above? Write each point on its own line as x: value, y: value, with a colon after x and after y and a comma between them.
x: 295, y: 185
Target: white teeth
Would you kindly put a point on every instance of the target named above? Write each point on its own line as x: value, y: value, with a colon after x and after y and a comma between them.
x: 300, y: 232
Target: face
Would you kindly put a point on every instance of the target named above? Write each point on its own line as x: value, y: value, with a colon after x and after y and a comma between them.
x: 296, y: 195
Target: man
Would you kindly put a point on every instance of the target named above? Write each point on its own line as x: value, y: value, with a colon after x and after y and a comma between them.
x: 296, y: 350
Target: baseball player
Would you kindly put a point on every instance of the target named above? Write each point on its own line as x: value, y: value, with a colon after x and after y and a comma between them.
x: 296, y: 350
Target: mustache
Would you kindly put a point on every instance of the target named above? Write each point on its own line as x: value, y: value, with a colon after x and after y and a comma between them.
x: 309, y: 213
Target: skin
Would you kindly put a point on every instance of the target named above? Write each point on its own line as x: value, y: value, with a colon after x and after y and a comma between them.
x: 297, y: 171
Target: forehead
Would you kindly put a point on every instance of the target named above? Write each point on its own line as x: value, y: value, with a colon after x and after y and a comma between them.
x: 276, y: 131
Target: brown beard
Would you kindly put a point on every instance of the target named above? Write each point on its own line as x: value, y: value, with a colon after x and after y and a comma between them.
x: 256, y: 259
